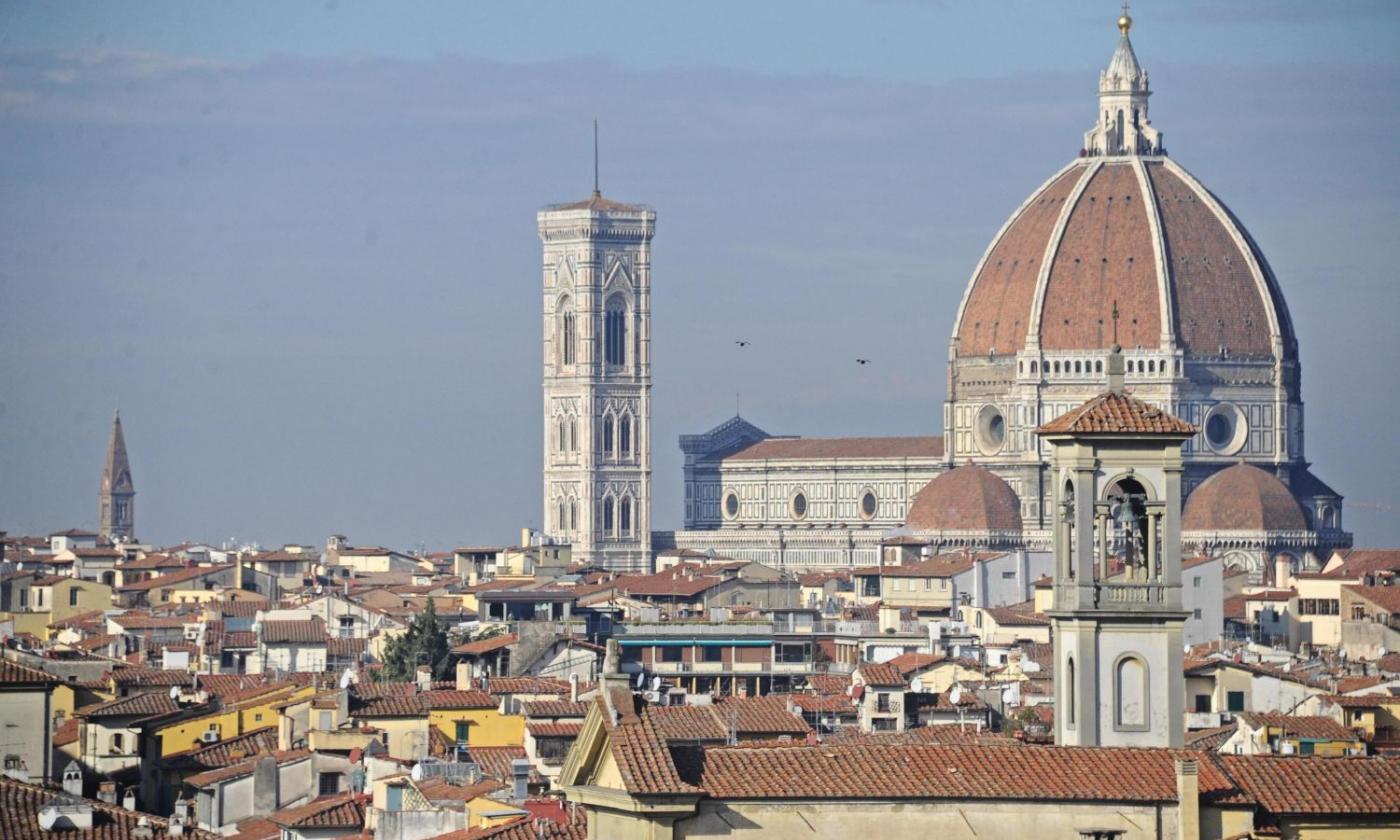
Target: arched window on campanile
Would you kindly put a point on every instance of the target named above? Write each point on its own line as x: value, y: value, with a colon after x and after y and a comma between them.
x: 615, y: 331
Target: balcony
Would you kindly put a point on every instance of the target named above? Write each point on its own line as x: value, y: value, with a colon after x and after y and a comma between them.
x: 1133, y: 594
x: 792, y: 667
x: 749, y: 667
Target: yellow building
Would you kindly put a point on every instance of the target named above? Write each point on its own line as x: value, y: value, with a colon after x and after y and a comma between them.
x: 467, y: 718
x: 53, y: 599
x: 258, y: 712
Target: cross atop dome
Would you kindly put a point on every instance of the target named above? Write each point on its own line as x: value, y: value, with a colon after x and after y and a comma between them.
x: 1123, y: 127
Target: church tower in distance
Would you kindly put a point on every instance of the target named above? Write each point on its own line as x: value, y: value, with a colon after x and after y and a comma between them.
x: 597, y: 380
x: 116, y: 499
x: 1117, y: 619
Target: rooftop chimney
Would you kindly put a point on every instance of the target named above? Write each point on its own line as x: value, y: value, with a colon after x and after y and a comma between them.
x: 520, y: 778
x: 1188, y: 794
x: 464, y: 676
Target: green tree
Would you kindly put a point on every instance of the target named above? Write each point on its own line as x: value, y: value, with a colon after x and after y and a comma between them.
x: 424, y: 643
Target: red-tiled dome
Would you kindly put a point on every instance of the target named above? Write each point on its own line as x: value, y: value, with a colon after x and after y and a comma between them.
x: 968, y: 498
x: 1242, y: 498
x: 1095, y: 224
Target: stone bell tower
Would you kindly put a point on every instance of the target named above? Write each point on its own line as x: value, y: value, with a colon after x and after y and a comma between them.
x: 1116, y: 465
x: 116, y: 496
x: 597, y: 379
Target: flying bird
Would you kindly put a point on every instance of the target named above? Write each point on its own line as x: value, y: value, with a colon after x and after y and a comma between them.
x: 862, y: 361
x: 742, y: 343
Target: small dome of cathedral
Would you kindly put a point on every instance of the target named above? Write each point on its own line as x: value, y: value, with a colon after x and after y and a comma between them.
x: 1242, y: 498
x: 968, y: 498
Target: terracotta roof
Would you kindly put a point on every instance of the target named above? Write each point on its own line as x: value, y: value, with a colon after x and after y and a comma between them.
x: 312, y: 631
x: 837, y: 703
x: 1390, y: 663
x: 539, y: 729
x: 143, y: 621
x: 527, y: 685
x: 19, y: 817
x: 1210, y: 739
x: 12, y: 673
x: 1311, y: 785
x: 243, y: 768
x: 142, y: 676
x: 345, y: 646
x: 1111, y: 413
x: 952, y: 772
x: 554, y: 709
x: 229, y: 751
x: 1362, y: 561
x: 967, y: 498
x: 480, y: 646
x: 525, y: 828
x: 1101, y: 251
x: 829, y: 683
x: 419, y: 704
x: 670, y: 582
x: 149, y: 704
x: 172, y: 578
x: 880, y: 675
x: 1303, y: 726
x: 909, y: 663
x: 1008, y: 617
x: 754, y: 716
x: 328, y: 812
x: 495, y: 762
x: 1242, y: 498
x: 934, y: 567
x: 1385, y: 597
x: 943, y: 733
x: 642, y: 758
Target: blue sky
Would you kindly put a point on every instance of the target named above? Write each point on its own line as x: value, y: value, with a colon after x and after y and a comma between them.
x: 295, y: 242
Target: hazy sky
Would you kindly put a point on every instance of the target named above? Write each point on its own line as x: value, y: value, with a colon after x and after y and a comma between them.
x: 295, y: 243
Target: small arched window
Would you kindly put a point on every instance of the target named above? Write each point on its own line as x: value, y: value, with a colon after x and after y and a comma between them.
x: 615, y: 331
x: 1057, y: 367
x: 607, y: 435
x: 562, y: 439
x: 624, y: 517
x: 573, y: 514
x: 1077, y: 368
x: 608, y: 515
x: 1098, y: 366
x: 562, y: 522
x: 1033, y: 367
x: 1151, y: 366
x: 573, y: 434
x: 624, y: 437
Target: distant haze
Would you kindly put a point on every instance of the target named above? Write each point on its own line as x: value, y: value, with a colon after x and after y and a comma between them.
x: 300, y: 252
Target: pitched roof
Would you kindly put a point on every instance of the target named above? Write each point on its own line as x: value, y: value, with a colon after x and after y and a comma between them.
x: 540, y: 729
x: 326, y: 812
x: 172, y: 578
x: 1303, y: 726
x: 1312, y: 785
x: 19, y: 817
x: 942, y: 771
x: 747, y: 715
x: 1385, y: 597
x: 480, y: 646
x: 554, y: 709
x: 420, y: 703
x: 301, y: 632
x: 244, y: 768
x: 229, y: 751
x: 526, y: 685
x: 849, y: 447
x: 13, y: 673
x: 880, y: 675
x: 149, y: 704
x: 1114, y: 413
x: 641, y: 755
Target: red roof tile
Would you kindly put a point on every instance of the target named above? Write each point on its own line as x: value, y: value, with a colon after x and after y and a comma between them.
x: 480, y: 646
x: 1311, y: 785
x: 1302, y: 726
x: 966, y: 498
x: 19, y: 817
x: 328, y: 812
x: 880, y: 675
x: 1111, y: 413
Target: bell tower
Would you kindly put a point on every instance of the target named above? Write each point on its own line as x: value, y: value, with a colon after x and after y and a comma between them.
x: 116, y: 496
x: 1117, y: 618
x: 597, y: 379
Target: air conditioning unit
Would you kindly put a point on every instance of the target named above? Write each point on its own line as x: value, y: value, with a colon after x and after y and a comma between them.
x: 210, y: 737
x: 652, y: 696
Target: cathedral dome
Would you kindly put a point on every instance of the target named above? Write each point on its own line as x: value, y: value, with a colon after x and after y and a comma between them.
x: 1138, y: 232
x: 1242, y: 498
x: 1125, y: 226
x: 967, y: 498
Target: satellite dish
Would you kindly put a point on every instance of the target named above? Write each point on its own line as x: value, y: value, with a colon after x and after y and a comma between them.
x: 955, y: 697
x: 416, y: 774
x: 656, y: 683
x: 641, y: 679
x: 345, y: 678
x: 917, y: 686
x: 174, y: 692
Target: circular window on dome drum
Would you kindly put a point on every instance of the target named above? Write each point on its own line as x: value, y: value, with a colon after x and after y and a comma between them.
x: 868, y: 505
x: 990, y: 430
x: 731, y: 505
x: 1225, y: 429
x: 798, y: 506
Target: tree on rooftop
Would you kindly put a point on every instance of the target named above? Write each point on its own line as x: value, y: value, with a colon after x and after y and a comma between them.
x: 424, y: 643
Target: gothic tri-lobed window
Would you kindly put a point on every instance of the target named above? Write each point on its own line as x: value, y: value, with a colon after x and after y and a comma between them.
x: 566, y: 334
x: 624, y: 518
x: 624, y: 438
